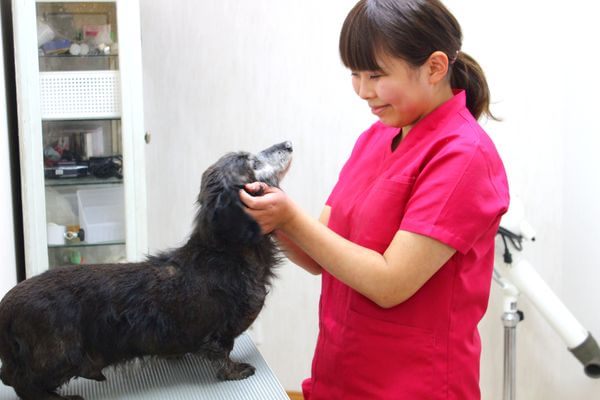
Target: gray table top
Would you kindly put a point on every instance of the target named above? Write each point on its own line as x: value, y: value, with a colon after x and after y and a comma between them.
x: 188, y: 378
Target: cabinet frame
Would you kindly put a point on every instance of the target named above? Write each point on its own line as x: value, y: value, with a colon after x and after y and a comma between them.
x: 30, y: 130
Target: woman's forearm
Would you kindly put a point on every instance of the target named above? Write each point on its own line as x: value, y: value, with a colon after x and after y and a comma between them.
x: 363, y: 269
x: 296, y: 254
x: 387, y: 279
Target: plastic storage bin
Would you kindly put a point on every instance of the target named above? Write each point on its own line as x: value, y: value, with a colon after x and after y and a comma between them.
x: 102, y: 214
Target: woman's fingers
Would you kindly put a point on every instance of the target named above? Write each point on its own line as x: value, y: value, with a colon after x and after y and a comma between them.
x: 253, y: 195
x: 256, y: 188
x: 268, y: 209
x: 246, y: 198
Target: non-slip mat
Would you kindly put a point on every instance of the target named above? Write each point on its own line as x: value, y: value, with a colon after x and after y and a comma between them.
x: 187, y: 378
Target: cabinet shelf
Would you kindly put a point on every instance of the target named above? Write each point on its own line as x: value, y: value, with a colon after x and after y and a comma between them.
x: 67, y: 56
x: 68, y: 62
x: 83, y: 181
x: 81, y: 118
x: 84, y: 244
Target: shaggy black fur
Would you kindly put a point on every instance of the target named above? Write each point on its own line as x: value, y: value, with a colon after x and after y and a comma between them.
x: 74, y: 321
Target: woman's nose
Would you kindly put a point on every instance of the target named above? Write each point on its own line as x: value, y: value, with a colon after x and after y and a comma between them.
x: 364, y: 88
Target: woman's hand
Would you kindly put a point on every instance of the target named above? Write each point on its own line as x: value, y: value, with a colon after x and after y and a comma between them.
x: 270, y: 207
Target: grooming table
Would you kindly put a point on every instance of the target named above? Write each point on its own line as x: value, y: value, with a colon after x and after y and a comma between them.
x: 187, y: 378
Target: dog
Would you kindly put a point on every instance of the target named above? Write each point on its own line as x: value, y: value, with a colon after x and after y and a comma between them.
x: 74, y: 321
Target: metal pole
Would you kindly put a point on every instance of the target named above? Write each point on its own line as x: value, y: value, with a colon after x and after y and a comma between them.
x: 510, y: 319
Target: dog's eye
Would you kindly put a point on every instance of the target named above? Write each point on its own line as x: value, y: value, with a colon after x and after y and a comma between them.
x: 256, y: 164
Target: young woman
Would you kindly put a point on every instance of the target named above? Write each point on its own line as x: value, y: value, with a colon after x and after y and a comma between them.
x: 405, y: 242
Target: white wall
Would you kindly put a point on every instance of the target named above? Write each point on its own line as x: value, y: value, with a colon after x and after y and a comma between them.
x: 8, y: 270
x: 227, y: 75
x: 223, y: 75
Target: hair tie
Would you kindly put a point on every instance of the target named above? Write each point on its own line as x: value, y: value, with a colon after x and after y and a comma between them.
x: 453, y: 59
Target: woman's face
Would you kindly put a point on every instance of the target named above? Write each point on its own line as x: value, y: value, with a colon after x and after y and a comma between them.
x: 400, y: 95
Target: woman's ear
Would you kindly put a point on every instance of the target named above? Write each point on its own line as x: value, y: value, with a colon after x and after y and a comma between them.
x: 437, y: 66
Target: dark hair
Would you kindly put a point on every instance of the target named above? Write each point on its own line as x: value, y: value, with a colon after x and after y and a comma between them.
x: 412, y: 30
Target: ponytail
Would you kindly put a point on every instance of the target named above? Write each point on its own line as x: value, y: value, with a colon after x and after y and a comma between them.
x: 466, y: 74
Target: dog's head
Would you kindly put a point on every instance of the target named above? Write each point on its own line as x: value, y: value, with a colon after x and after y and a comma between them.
x: 221, y: 210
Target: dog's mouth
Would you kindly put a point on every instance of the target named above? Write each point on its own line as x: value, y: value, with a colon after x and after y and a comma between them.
x: 286, y: 168
x: 274, y: 163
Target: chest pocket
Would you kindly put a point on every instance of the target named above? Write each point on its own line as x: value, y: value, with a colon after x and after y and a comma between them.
x: 379, y: 215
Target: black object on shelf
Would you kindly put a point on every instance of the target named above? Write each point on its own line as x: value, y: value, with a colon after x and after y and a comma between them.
x: 106, y: 167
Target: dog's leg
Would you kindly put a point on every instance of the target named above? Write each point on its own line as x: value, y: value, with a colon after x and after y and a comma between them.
x: 69, y: 397
x: 6, y: 374
x: 27, y: 392
x: 91, y: 368
x: 227, y: 369
x: 26, y: 389
x: 93, y: 375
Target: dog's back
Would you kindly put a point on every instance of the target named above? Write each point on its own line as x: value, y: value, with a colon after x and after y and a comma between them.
x: 75, y: 321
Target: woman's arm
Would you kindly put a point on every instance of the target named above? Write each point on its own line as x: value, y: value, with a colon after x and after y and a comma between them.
x: 295, y: 253
x: 387, y: 279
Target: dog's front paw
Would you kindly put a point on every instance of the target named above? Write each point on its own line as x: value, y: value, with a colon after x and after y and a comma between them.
x: 233, y: 371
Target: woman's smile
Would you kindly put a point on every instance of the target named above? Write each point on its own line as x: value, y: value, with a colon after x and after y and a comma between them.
x: 378, y: 110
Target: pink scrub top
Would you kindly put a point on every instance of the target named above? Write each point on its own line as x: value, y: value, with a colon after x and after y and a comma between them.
x: 445, y: 180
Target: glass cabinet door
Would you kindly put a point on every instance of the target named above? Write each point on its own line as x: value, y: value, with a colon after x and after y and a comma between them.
x: 77, y: 36
x: 81, y: 132
x: 87, y: 137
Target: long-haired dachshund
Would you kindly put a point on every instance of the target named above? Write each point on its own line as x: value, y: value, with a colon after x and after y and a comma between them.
x: 74, y: 321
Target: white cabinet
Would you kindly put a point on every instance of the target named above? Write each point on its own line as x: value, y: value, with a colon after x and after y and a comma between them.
x: 81, y: 134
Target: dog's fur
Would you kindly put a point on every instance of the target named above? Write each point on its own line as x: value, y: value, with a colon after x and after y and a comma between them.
x: 74, y: 321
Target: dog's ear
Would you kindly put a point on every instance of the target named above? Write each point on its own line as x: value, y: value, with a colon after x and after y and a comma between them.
x: 231, y: 222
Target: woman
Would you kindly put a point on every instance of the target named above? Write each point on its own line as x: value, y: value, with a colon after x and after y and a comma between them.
x: 405, y: 242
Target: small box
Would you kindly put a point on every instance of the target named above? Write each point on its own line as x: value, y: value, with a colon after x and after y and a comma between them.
x: 102, y: 214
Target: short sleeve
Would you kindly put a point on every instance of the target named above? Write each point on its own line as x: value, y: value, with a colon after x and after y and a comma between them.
x: 458, y: 196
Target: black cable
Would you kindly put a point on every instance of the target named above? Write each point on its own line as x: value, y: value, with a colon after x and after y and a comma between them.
x: 515, y: 240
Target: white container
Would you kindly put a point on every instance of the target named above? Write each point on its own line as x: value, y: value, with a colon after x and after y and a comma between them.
x: 102, y: 214
x: 56, y: 234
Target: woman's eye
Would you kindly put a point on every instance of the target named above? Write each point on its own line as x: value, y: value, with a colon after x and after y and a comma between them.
x: 371, y: 75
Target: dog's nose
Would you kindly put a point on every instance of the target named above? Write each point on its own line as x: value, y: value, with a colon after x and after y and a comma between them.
x: 288, y: 145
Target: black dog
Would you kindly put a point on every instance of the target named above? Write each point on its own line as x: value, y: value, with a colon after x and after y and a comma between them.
x: 74, y: 321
